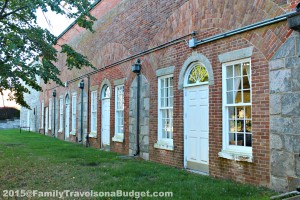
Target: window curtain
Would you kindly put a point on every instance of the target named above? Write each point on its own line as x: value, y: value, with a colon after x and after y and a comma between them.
x: 237, y: 80
x: 248, y: 74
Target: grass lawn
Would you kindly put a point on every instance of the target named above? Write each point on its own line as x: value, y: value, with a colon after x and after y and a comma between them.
x: 32, y: 161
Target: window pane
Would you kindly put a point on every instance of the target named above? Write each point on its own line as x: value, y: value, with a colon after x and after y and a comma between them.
x: 246, y: 95
x: 240, y: 125
x: 232, y: 139
x: 240, y: 139
x: 231, y: 113
x: 237, y: 70
x: 229, y: 84
x: 162, y: 102
x: 229, y: 71
x: 248, y: 140
x: 248, y: 126
x: 238, y: 96
x: 248, y: 112
x: 237, y: 83
x: 232, y: 127
x: 240, y: 112
x: 246, y: 84
x: 246, y: 68
x: 229, y: 97
x: 162, y: 83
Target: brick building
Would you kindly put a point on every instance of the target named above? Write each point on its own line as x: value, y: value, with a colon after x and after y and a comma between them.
x: 219, y: 87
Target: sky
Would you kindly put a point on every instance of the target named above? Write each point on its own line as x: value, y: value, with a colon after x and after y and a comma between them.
x: 58, y: 23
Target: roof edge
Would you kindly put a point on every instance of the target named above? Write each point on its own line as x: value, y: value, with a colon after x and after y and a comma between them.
x: 75, y: 21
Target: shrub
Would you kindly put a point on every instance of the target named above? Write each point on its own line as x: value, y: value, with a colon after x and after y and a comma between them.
x: 9, y: 113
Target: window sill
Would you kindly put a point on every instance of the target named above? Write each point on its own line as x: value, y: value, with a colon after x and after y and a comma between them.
x: 93, y: 135
x: 60, y: 130
x: 236, y: 156
x: 118, y: 138
x: 72, y: 133
x: 164, y: 145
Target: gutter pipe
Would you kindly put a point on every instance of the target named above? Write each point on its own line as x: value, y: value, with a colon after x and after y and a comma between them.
x: 194, y: 42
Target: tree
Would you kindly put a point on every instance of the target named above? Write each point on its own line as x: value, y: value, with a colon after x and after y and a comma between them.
x: 22, y: 41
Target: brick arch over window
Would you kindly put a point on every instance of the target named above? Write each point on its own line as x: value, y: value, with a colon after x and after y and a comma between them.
x: 108, y: 54
x: 219, y: 18
x: 194, y: 58
x: 104, y: 83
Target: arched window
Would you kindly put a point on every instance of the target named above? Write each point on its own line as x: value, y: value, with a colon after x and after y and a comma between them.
x: 197, y: 75
x: 105, y: 92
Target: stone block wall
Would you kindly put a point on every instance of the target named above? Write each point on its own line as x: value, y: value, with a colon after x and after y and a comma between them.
x: 285, y: 115
x: 10, y: 123
x: 144, y: 117
x: 31, y: 117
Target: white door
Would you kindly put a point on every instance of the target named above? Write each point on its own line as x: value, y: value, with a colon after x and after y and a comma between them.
x: 105, y: 135
x: 67, y: 122
x: 196, y: 127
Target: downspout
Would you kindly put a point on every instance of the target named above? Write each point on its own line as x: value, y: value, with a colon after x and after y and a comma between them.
x: 81, y: 86
x: 136, y: 68
x: 138, y: 116
x: 54, y: 105
x: 88, y: 114
x: 44, y: 120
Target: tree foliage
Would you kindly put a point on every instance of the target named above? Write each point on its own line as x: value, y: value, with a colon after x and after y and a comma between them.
x: 22, y: 41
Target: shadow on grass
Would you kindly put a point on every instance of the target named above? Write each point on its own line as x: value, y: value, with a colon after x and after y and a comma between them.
x: 37, y: 162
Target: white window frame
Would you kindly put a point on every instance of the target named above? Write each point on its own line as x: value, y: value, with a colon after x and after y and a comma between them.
x: 186, y: 78
x: 50, y: 114
x: 61, y: 114
x: 74, y: 107
x: 93, y: 132
x: 164, y: 143
x: 119, y: 136
x: 42, y: 121
x: 47, y: 118
x: 239, y: 153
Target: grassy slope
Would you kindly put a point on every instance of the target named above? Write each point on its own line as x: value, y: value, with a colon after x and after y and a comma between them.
x: 33, y: 161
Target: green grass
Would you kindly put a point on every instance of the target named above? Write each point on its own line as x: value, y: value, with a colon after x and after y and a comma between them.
x: 33, y: 161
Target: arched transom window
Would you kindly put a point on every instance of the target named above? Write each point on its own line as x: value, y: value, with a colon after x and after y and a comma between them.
x: 197, y: 75
x: 105, y: 92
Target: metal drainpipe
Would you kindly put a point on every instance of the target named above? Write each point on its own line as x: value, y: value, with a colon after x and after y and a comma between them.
x: 54, y: 117
x: 44, y: 120
x: 138, y: 116
x: 87, y: 144
x: 81, y: 114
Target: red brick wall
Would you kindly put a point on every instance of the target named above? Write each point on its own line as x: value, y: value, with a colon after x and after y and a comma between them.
x: 134, y: 26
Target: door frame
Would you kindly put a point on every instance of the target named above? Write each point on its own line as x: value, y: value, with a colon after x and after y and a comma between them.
x: 185, y: 111
x: 67, y: 117
x: 105, y: 96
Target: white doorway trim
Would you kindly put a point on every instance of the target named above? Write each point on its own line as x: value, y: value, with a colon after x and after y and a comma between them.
x: 105, y: 118
x: 196, y: 120
x: 67, y: 118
